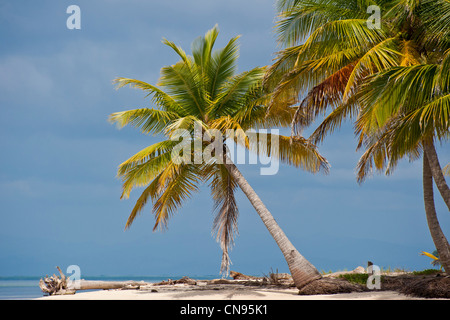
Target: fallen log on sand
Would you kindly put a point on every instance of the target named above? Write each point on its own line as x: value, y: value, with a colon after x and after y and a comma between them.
x: 55, y: 285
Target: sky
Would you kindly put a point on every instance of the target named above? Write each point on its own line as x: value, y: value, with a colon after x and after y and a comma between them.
x: 59, y: 193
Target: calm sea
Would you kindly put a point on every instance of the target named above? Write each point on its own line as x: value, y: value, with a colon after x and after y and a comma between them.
x: 26, y: 288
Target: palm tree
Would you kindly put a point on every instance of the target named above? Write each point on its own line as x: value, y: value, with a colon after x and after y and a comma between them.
x: 394, y: 125
x: 392, y: 80
x: 203, y: 91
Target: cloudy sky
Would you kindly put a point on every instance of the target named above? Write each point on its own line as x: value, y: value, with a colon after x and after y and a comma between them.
x: 59, y: 194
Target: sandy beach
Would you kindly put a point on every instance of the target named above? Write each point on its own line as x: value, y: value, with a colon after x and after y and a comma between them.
x: 205, y: 290
x: 249, y: 294
x: 243, y: 287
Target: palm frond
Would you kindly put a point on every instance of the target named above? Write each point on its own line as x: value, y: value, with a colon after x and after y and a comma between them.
x: 387, y: 146
x: 384, y: 94
x: 332, y: 121
x: 354, y: 31
x: 225, y: 226
x: 434, y: 117
x: 147, y: 120
x: 296, y: 151
x: 175, y: 185
x: 328, y: 93
x: 149, y: 192
x: 181, y: 53
x: 435, y: 15
x: 234, y: 91
x: 202, y: 48
x: 160, y: 98
x: 222, y: 66
x: 380, y: 57
x: 314, y: 73
x: 183, y: 83
x: 297, y: 19
x: 143, y: 167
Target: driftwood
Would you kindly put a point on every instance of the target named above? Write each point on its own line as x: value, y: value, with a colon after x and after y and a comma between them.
x: 55, y: 285
x: 239, y: 276
x: 183, y: 280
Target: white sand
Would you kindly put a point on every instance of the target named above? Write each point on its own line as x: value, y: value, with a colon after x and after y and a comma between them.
x: 225, y: 294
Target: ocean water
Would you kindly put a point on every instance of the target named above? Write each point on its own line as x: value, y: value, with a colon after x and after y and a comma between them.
x: 27, y: 288
x: 19, y: 288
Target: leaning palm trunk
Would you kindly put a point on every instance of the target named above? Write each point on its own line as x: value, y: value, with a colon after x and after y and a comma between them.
x: 437, y: 172
x: 302, y: 271
x: 439, y: 239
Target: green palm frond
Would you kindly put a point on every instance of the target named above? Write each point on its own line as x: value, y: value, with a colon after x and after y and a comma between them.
x: 380, y: 57
x: 222, y: 66
x: 148, y: 120
x: 149, y: 192
x: 202, y: 48
x: 185, y: 85
x: 353, y: 31
x: 144, y: 166
x: 386, y: 147
x: 444, y: 72
x: 235, y: 91
x: 262, y: 117
x: 176, y: 184
x: 384, y: 94
x: 160, y: 98
x: 309, y: 74
x: 284, y: 62
x: 297, y: 19
x: 433, y: 117
x: 184, y: 123
x: 181, y: 53
x: 436, y: 18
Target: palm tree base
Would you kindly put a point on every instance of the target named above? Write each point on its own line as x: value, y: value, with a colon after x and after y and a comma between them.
x: 329, y: 286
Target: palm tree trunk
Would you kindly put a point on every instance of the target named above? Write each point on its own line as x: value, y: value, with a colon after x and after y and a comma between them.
x: 302, y: 271
x: 439, y: 239
x: 436, y: 171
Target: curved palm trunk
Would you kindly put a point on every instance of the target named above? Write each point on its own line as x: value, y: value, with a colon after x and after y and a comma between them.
x: 436, y: 171
x: 302, y: 271
x: 439, y: 239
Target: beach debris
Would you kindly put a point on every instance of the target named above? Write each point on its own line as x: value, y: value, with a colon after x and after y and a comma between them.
x: 183, y: 280
x: 359, y: 270
x: 239, y: 276
x: 55, y: 285
x: 61, y: 285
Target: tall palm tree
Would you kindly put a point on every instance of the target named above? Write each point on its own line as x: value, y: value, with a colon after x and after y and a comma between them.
x: 394, y: 125
x: 202, y: 96
x: 390, y: 80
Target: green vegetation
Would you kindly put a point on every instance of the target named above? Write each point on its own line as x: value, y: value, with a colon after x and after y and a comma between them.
x: 426, y: 272
x: 359, y: 278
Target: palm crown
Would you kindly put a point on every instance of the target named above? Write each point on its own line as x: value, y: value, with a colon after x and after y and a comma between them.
x: 203, y: 90
x: 393, y: 80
